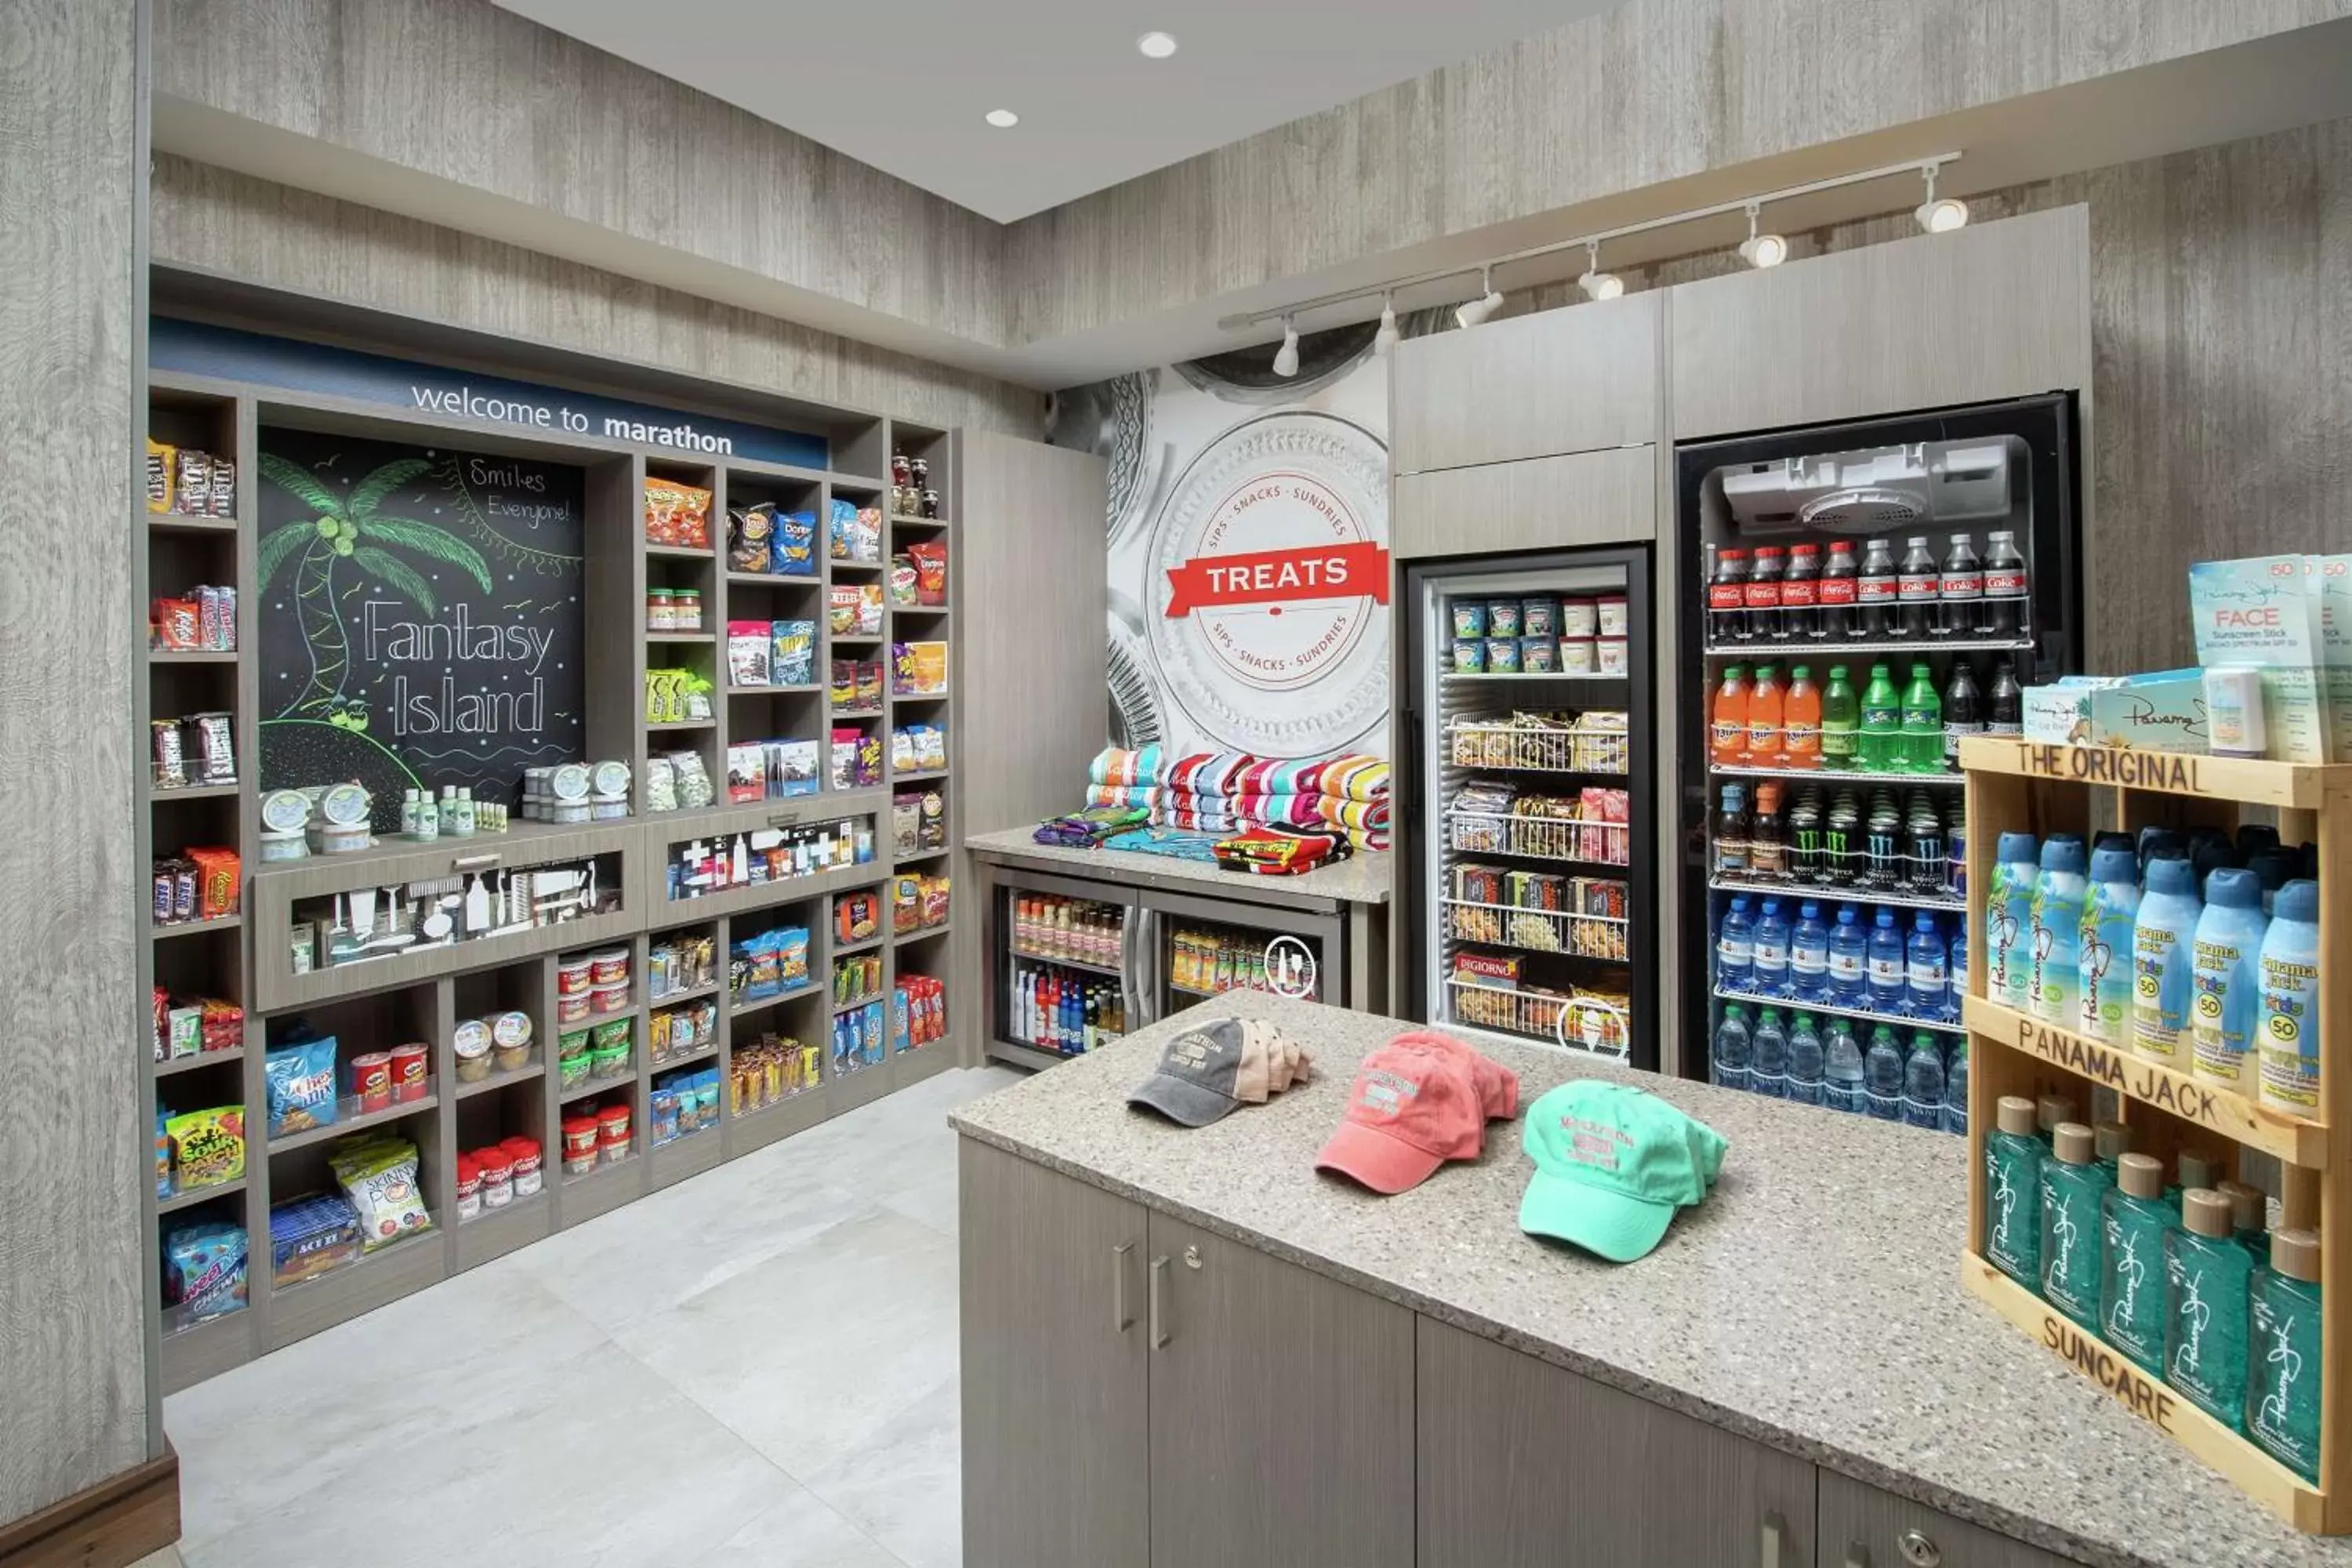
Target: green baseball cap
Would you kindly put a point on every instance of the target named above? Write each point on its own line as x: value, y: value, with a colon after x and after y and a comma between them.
x: 1612, y: 1165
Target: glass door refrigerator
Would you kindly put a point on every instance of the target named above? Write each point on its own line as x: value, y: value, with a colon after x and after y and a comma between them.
x: 1526, y: 881
x: 1857, y: 598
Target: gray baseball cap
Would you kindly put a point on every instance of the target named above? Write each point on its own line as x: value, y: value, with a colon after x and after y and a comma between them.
x: 1205, y: 1072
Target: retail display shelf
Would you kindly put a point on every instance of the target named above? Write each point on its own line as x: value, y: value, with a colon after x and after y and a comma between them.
x: 604, y: 1169
x: 1828, y: 894
x: 342, y: 1125
x: 181, y: 522
x: 522, y: 843
x: 201, y: 1059
x: 901, y: 939
x: 2295, y: 786
x: 867, y: 945
x: 920, y: 775
x: 681, y: 636
x: 913, y: 855
x: 919, y: 609
x: 1836, y: 775
x: 926, y: 1060
x: 590, y: 1088
x: 920, y: 695
x: 191, y: 655
x: 801, y: 690
x: 507, y: 1213
x: 1784, y: 651
x: 857, y: 636
x: 910, y: 520
x: 407, y: 1247
x: 195, y: 1195
x: 1838, y: 1009
x: 2132, y: 1076
x: 497, y: 1080
x: 674, y: 725
x: 853, y: 710
x: 688, y: 1156
x: 1019, y: 1054
x: 193, y: 928
x: 687, y: 1059
x: 691, y: 993
x: 1191, y: 990
x: 855, y: 1003
x: 194, y: 792
x: 775, y: 580
x: 1104, y: 969
x: 839, y: 564
x: 1618, y: 774
x: 681, y: 552
x: 767, y: 895
x: 1562, y: 933
x: 738, y: 1009
x: 1549, y: 675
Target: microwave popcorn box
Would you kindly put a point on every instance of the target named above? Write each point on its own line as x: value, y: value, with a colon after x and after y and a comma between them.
x: 2164, y: 711
x: 2263, y: 612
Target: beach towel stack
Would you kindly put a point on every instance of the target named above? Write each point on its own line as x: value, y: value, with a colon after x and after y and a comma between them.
x: 1232, y: 792
x: 1122, y: 779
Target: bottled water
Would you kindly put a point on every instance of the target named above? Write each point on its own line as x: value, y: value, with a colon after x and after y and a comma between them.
x: 1733, y: 1047
x: 1923, y: 1083
x: 1960, y: 968
x: 1888, y: 976
x: 1805, y: 1060
x: 1809, y: 954
x: 1848, y: 958
x: 1841, y: 1066
x: 1881, y: 1076
x: 1956, y: 1088
x: 1735, y: 949
x: 1770, y: 947
x: 1930, y: 985
x: 1768, y: 1071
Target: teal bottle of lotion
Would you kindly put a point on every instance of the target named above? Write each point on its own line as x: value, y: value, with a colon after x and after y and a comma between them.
x: 2009, y: 920
x: 2225, y: 970
x: 2283, y: 1356
x: 2134, y: 1223
x: 2161, y: 935
x: 2206, y: 1275
x: 2073, y: 1193
x: 2103, y: 954
x: 2057, y: 915
x: 2013, y: 1206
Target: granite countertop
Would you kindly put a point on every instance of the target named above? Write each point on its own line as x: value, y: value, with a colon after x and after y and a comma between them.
x: 1812, y: 1303
x: 1361, y: 878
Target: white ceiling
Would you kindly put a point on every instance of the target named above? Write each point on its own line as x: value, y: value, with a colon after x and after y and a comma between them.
x: 903, y: 84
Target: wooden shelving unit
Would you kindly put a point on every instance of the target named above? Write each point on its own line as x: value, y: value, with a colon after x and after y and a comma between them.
x: 2020, y: 786
x: 423, y: 995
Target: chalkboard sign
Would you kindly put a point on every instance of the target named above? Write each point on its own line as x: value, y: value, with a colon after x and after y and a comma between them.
x: 421, y: 617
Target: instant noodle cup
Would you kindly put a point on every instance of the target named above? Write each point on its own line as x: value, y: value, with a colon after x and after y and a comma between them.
x: 612, y: 1133
x: 574, y: 976
x: 608, y: 966
x: 581, y: 1135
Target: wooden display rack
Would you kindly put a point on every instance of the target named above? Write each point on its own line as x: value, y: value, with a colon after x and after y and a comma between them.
x: 2018, y: 786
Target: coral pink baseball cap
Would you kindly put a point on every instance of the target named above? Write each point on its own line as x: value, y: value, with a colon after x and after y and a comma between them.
x: 1498, y: 1086
x: 1413, y: 1106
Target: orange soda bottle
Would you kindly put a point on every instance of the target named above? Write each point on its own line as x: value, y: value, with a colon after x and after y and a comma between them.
x: 1765, y: 742
x: 1727, y: 733
x: 1801, y: 719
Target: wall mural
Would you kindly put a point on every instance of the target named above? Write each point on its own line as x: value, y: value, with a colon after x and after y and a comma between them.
x: 1246, y: 540
x: 420, y: 614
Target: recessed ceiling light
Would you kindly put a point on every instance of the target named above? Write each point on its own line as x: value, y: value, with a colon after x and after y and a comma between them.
x: 1003, y: 119
x: 1156, y: 46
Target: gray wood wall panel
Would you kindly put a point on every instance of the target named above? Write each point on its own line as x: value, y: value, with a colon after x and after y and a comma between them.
x: 1997, y: 309
x: 281, y: 237
x: 72, y: 1338
x: 1542, y: 503
x: 1863, y: 1527
x: 1563, y: 381
x: 1523, y: 1465
x: 1057, y: 1395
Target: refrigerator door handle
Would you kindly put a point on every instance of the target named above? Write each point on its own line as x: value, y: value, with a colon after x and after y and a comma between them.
x: 1142, y: 932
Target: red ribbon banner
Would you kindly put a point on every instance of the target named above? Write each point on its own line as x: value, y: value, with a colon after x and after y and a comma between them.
x: 1280, y: 577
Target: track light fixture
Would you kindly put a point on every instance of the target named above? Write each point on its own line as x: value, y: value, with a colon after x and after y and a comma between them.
x: 1386, y: 338
x: 1761, y: 249
x: 1938, y: 215
x: 1286, y: 358
x: 1474, y: 312
x: 1597, y: 284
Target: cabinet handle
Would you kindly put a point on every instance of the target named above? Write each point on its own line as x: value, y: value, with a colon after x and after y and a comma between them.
x: 1159, y: 1311
x: 1770, y: 1554
x: 1122, y: 1316
x: 1918, y: 1550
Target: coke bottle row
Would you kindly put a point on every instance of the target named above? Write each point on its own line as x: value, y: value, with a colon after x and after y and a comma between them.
x: 1758, y: 719
x: 1840, y: 840
x: 1822, y: 1061
x: 1789, y: 595
x: 1894, y: 963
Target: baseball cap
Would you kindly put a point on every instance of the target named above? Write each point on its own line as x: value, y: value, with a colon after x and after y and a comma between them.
x: 1412, y: 1109
x: 1497, y: 1086
x: 1612, y: 1165
x: 1205, y: 1072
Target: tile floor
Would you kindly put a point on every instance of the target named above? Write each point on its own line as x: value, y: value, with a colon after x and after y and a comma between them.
x: 755, y: 1367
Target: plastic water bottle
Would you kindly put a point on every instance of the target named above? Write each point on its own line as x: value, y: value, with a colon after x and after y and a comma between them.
x: 1954, y: 1009
x: 2103, y: 954
x: 1887, y: 965
x: 1805, y: 1060
x: 1930, y: 983
x: 1809, y: 954
x: 1768, y: 1056
x: 1848, y: 958
x: 1923, y: 1083
x: 1881, y: 1076
x: 1771, y: 952
x: 1733, y: 1047
x: 2009, y: 919
x: 1735, y: 948
x: 1841, y: 1066
x: 2057, y: 915
x: 1956, y: 1088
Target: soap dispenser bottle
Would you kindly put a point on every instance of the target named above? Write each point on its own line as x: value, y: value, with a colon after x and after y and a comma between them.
x: 2013, y: 1206
x: 2283, y: 1375
x: 2074, y: 1188
x: 2206, y: 1274
x: 2135, y: 1221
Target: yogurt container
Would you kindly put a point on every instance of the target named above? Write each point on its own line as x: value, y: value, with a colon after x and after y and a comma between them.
x: 1612, y: 617
x: 1610, y: 655
x: 1579, y: 618
x: 1576, y: 656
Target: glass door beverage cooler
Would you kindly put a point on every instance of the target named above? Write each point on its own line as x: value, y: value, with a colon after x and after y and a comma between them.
x: 1525, y: 753
x: 1858, y: 598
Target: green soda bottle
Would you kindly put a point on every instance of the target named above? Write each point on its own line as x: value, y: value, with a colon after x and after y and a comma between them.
x: 2134, y: 1218
x: 2206, y: 1273
x: 1841, y: 721
x: 1922, y: 724
x: 1879, y: 749
x: 2282, y: 1373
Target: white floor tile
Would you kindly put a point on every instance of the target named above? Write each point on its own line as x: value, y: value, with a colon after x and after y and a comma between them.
x: 801, y: 1532
x: 903, y: 1485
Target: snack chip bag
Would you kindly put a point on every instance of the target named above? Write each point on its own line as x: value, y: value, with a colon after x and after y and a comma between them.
x: 795, y: 550
x: 379, y: 1177
x: 203, y: 1270
x: 751, y: 538
x: 931, y: 559
x: 677, y: 514
x: 207, y: 1147
x: 301, y: 1085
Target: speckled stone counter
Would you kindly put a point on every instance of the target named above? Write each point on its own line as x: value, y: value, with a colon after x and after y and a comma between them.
x: 1361, y: 878
x: 1813, y: 1303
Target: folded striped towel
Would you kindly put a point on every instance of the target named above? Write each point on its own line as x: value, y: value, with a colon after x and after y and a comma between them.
x: 1120, y: 767
x: 1140, y: 797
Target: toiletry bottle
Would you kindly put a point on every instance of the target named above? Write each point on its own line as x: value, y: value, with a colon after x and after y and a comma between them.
x: 2205, y: 1276
x: 2110, y: 1141
x: 462, y: 824
x: 2134, y: 1220
x: 2249, y: 1218
x: 2051, y: 1111
x: 1956, y: 1088
x: 2161, y: 935
x: 2074, y: 1190
x: 2192, y: 1171
x: 2226, y: 971
x: 428, y: 817
x: 2057, y: 916
x: 408, y: 814
x: 2104, y: 949
x: 2009, y: 919
x: 2286, y: 1036
x: 2233, y: 711
x: 2012, y: 1205
x: 1923, y: 1082
x: 2282, y: 1370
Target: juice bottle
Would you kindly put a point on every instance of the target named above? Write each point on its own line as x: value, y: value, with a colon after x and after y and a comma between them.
x: 1766, y: 740
x: 1727, y: 734
x: 1800, y: 719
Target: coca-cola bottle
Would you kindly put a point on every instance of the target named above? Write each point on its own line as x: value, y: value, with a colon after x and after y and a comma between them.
x: 1914, y: 590
x: 1727, y: 599
x: 1834, y: 621
x: 1959, y: 596
x: 1963, y: 711
x: 1801, y: 594
x: 2005, y: 587
x: 2006, y: 714
x: 1764, y: 595
x: 1876, y: 591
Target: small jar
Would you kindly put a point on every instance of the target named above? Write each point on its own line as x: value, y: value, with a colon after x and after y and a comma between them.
x: 469, y: 1189
x: 498, y: 1177
x: 572, y: 976
x: 607, y: 1000
x: 613, y: 1134
x: 606, y: 967
x: 686, y: 610
x: 661, y: 610
x: 581, y: 1135
x: 573, y: 1009
x: 525, y: 1153
x: 931, y: 503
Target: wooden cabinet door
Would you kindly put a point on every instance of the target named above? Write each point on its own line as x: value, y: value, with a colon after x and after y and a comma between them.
x: 1863, y: 1527
x: 1576, y: 379
x: 1056, y: 1469
x: 1523, y: 1465
x: 1281, y: 1413
x: 1542, y: 503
